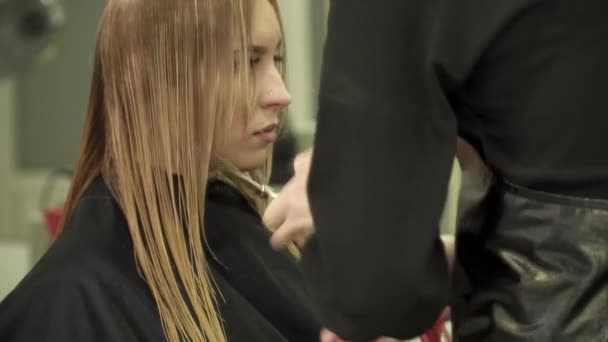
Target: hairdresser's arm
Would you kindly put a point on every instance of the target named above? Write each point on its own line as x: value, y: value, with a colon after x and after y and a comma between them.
x: 383, y: 155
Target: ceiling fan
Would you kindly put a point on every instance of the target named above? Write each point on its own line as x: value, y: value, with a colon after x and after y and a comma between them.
x: 29, y: 33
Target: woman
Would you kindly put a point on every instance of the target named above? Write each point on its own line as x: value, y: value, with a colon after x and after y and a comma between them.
x: 163, y: 238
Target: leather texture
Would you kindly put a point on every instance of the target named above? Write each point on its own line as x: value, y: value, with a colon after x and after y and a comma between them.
x: 532, y: 266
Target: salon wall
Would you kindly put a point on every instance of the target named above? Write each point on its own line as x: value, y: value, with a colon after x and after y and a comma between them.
x: 52, y: 98
x: 7, y: 109
x: 41, y: 114
x: 304, y: 23
x: 13, y: 251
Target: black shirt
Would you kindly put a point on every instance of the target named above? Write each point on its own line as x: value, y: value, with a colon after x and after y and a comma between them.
x: 524, y: 81
x: 86, y: 287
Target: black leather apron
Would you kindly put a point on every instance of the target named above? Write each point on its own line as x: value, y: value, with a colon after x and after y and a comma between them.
x: 533, y: 266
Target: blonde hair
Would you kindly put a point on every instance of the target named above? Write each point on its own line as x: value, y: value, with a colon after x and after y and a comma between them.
x: 167, y: 77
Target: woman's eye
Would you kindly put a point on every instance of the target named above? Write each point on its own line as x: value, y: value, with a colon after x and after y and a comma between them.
x: 254, y: 60
x: 278, y: 60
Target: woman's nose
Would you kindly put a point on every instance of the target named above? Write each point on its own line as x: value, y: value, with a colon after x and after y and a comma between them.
x: 275, y: 96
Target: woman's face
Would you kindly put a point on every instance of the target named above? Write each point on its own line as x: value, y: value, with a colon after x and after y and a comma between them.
x: 249, y: 142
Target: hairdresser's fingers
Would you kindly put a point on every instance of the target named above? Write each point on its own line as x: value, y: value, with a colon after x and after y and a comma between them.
x: 302, y: 231
x: 305, y: 235
x: 328, y: 336
x: 282, y: 237
x: 296, y: 230
x: 277, y: 210
x: 301, y: 164
x: 275, y: 213
x: 449, y: 244
x: 292, y: 231
x: 446, y: 315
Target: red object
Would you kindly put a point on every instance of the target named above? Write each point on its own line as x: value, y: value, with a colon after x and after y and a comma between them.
x: 52, y: 217
x: 436, y: 333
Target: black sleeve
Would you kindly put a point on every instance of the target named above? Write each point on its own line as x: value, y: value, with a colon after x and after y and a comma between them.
x: 383, y: 155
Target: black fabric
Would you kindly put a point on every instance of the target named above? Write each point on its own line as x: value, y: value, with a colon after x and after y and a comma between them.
x: 283, y: 153
x: 534, y: 267
x: 523, y: 80
x: 86, y: 287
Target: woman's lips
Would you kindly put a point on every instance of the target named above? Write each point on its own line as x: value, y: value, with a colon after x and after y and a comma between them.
x: 267, y: 134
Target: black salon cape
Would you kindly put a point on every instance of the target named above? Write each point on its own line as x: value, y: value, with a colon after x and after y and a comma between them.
x: 524, y: 81
x: 86, y: 288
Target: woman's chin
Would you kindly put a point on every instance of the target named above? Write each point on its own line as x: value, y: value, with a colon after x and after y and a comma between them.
x: 251, y: 161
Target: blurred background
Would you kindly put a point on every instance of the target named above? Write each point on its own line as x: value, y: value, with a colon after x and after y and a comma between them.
x: 46, y: 49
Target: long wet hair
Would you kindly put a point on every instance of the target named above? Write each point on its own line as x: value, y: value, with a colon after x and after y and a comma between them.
x: 168, y: 76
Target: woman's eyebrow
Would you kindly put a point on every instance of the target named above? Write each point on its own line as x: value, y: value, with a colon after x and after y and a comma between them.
x: 262, y: 49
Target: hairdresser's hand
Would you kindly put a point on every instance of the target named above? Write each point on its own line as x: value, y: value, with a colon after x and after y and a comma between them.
x: 328, y: 336
x: 288, y: 215
x: 449, y: 244
x: 476, y: 177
